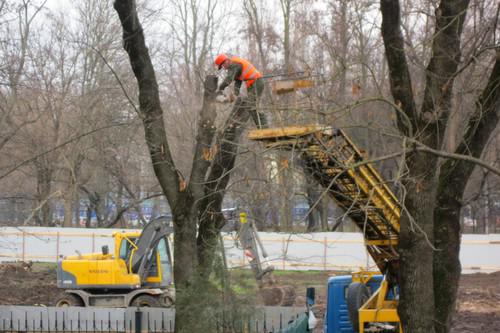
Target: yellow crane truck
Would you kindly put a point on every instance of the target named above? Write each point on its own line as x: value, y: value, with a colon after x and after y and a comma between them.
x: 137, y: 273
x: 339, y: 166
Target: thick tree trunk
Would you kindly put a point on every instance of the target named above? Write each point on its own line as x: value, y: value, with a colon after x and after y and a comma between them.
x: 185, y: 267
x: 201, y: 200
x: 452, y: 184
x: 416, y: 306
x: 417, y: 303
x: 447, y: 266
x: 211, y: 219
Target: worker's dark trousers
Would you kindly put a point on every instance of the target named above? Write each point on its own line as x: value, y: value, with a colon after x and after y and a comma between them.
x: 254, y: 94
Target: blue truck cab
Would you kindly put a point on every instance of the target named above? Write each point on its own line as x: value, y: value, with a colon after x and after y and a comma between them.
x: 337, y: 315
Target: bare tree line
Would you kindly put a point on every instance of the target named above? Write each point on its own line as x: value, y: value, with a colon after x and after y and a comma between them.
x: 64, y: 74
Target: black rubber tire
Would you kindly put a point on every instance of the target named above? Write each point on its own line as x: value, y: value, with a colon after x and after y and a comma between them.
x: 167, y: 302
x: 69, y: 300
x: 147, y: 301
x: 357, y: 295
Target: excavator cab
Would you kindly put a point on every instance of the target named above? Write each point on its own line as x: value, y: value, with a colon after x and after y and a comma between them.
x: 159, y: 272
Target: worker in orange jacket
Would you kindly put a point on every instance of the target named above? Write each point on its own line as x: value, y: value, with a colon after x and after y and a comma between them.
x: 239, y: 70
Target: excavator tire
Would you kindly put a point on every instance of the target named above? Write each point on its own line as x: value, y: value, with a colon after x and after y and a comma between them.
x: 69, y: 300
x: 147, y: 301
x: 357, y: 295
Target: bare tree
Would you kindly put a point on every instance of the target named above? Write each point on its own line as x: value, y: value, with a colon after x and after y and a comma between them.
x: 193, y: 25
x: 48, y: 82
x: 260, y: 30
x: 15, y: 113
x: 196, y: 201
x: 430, y: 229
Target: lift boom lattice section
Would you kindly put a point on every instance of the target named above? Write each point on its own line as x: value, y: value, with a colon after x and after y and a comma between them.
x: 338, y: 165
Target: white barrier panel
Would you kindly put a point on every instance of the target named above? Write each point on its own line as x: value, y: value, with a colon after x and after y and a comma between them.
x: 313, y: 251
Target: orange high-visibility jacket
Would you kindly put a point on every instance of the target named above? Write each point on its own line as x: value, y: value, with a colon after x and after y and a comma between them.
x: 248, y: 73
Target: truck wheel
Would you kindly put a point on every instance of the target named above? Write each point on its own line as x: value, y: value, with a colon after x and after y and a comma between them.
x: 167, y: 302
x: 146, y: 301
x: 69, y: 300
x: 357, y: 295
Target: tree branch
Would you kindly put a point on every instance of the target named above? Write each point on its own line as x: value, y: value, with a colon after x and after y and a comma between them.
x: 205, y: 134
x: 444, y: 62
x: 149, y: 100
x: 48, y: 151
x: 480, y: 127
x: 399, y: 74
x: 124, y: 209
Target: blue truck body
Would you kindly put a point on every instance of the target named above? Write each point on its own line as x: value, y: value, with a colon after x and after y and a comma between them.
x: 337, y: 315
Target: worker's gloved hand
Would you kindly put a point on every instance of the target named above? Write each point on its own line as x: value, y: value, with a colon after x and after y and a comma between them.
x: 231, y: 97
x: 221, y: 98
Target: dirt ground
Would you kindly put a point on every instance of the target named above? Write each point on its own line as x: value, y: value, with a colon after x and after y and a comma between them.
x: 478, y: 304
x: 478, y: 299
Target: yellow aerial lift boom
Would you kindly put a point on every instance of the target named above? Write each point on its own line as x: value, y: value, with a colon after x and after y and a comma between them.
x: 339, y: 166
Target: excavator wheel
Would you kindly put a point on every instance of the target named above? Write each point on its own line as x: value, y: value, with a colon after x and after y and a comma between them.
x: 357, y: 295
x: 147, y: 301
x: 167, y: 302
x: 69, y: 300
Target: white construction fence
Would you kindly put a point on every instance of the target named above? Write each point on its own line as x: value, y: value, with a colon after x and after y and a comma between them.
x: 308, y: 251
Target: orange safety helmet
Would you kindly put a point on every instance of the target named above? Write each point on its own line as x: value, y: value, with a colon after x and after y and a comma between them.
x: 220, y: 59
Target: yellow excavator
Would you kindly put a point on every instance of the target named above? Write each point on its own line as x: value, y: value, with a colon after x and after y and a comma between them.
x: 137, y: 273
